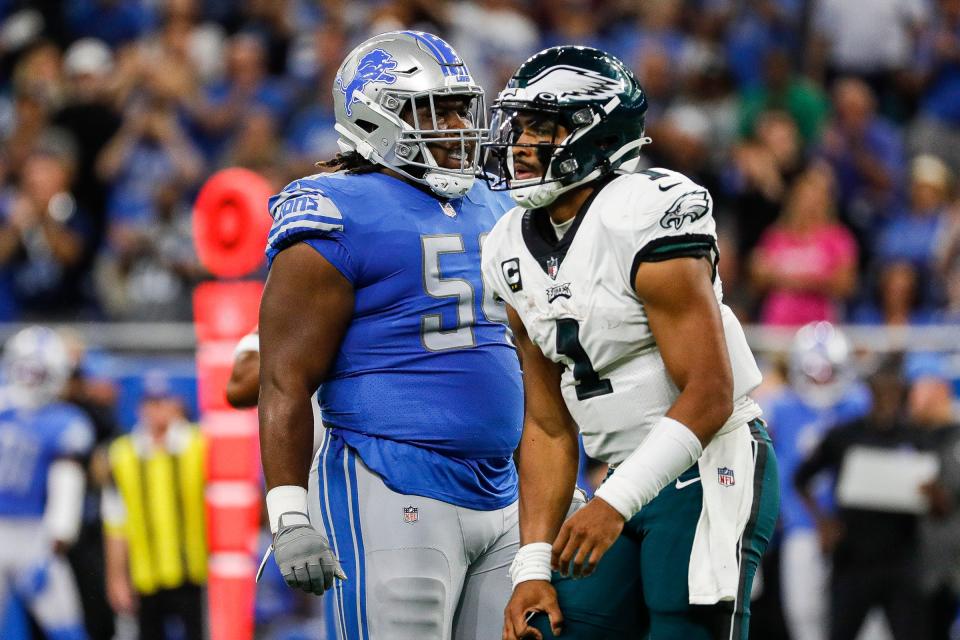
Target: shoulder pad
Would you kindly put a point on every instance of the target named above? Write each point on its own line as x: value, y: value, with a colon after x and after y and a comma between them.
x: 301, y: 211
x: 660, y: 198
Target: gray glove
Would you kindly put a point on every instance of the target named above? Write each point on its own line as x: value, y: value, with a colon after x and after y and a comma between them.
x: 304, y: 555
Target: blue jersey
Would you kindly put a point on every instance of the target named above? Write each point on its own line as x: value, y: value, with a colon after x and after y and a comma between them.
x: 30, y: 440
x: 426, y: 386
x: 797, y: 428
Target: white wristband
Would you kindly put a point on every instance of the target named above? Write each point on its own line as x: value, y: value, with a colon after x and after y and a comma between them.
x: 532, y: 562
x: 669, y: 450
x: 249, y: 342
x: 285, y: 499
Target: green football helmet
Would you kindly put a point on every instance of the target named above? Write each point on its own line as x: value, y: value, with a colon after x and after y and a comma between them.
x: 593, y: 95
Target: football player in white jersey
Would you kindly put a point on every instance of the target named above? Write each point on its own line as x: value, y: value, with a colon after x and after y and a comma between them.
x: 611, y: 285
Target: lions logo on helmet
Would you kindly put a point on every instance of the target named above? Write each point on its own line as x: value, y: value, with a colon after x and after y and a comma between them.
x: 373, y: 67
x: 821, y: 370
x: 36, y: 366
x: 404, y: 73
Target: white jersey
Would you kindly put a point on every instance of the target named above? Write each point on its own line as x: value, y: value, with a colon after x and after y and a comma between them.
x: 577, y: 300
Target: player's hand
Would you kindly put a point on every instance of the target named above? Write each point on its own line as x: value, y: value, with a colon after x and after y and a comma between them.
x: 528, y: 598
x: 585, y: 537
x: 304, y: 556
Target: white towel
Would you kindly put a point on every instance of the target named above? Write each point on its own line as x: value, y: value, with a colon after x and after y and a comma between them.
x: 726, y: 474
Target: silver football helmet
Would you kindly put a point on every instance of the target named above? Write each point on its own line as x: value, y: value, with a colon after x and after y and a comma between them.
x: 821, y: 364
x: 400, y: 72
x: 36, y: 366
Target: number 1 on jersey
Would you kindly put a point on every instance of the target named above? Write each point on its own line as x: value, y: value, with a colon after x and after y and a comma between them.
x: 589, y: 382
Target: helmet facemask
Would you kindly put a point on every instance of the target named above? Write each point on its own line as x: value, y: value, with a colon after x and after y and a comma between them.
x: 417, y: 124
x: 562, y: 170
x: 414, y: 156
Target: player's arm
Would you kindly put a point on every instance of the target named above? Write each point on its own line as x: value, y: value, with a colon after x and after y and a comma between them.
x: 116, y: 556
x: 547, y: 461
x: 306, y: 308
x: 66, y: 483
x: 305, y: 311
x: 684, y: 317
x: 243, y: 387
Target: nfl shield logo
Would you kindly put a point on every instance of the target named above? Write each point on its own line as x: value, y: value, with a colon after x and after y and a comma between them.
x: 448, y: 210
x: 553, y: 266
x: 725, y: 476
x: 411, y: 514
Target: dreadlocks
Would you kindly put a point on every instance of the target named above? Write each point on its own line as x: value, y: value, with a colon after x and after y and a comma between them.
x: 351, y: 162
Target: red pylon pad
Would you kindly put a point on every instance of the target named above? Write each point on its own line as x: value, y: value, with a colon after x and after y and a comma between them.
x: 231, y: 222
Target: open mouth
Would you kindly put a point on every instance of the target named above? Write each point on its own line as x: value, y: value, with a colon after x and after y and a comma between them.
x: 523, y: 171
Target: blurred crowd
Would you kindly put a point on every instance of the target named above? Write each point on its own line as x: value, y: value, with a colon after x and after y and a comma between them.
x: 827, y: 134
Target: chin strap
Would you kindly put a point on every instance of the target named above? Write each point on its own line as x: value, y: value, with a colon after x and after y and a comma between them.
x: 544, y: 193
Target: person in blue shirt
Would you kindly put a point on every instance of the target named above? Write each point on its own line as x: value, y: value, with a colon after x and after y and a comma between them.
x: 41, y: 482
x: 375, y: 296
x: 823, y: 393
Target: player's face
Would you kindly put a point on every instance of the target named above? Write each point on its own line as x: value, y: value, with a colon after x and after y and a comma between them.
x: 535, y: 132
x: 451, y: 113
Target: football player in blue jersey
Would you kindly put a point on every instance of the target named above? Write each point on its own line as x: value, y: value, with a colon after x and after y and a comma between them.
x: 375, y: 296
x: 823, y: 392
x: 41, y: 482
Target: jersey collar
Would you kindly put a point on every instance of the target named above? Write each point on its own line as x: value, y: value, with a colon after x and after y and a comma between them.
x: 540, y: 238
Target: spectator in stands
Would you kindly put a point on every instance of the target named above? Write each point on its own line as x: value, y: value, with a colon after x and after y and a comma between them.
x: 37, y: 91
x: 806, y: 263
x: 151, y: 149
x: 931, y: 406
x: 757, y: 30
x: 937, y: 127
x: 156, y: 553
x: 948, y: 264
x: 911, y: 235
x: 658, y: 28
x: 89, y: 117
x: 313, y: 66
x: 762, y: 171
x: 875, y: 45
x: 247, y: 86
x: 151, y: 272
x: 660, y: 84
x: 45, y: 236
x: 783, y: 90
x: 899, y: 299
x: 866, y: 154
x: 256, y: 146
x: 875, y: 553
x: 491, y: 34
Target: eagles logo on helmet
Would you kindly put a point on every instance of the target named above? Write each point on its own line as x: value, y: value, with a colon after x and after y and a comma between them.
x: 595, y: 98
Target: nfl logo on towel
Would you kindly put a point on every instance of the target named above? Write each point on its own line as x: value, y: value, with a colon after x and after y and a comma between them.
x: 725, y: 476
x: 411, y: 514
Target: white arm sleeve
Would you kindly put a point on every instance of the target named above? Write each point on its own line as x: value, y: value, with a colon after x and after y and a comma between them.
x: 669, y: 450
x: 66, y: 483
